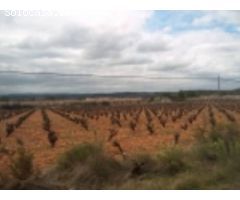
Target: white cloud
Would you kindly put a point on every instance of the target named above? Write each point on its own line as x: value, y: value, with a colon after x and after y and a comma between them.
x: 203, y: 20
x: 118, y: 43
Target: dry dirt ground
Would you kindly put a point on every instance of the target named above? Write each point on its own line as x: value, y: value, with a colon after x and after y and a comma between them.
x: 35, y: 139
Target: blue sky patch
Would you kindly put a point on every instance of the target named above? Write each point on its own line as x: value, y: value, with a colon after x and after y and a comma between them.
x: 180, y: 21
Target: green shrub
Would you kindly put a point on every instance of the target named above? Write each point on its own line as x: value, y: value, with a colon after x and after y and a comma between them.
x: 105, y: 168
x: 220, y: 143
x: 78, y: 154
x: 226, y: 132
x: 143, y: 164
x: 212, y: 152
x: 87, y: 166
x: 22, y: 165
x: 172, y: 161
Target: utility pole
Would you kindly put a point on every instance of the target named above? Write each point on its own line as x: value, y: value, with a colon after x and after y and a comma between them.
x: 219, y: 83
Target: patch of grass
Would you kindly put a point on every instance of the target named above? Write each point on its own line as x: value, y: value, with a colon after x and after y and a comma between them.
x: 188, y: 182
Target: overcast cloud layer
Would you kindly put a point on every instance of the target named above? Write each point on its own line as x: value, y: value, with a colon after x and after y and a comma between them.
x: 156, y: 43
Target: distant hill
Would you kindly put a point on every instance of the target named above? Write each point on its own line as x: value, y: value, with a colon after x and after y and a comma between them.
x: 144, y: 95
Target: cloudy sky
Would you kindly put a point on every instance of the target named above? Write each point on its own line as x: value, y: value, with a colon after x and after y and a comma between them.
x: 135, y: 46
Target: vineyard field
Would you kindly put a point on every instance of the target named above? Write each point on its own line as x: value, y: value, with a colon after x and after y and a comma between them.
x: 123, y: 130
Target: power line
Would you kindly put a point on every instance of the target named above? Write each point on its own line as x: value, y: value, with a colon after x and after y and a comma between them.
x: 219, y: 83
x: 116, y: 76
x: 41, y: 73
x: 92, y: 75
